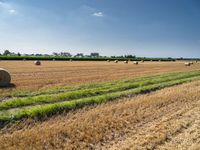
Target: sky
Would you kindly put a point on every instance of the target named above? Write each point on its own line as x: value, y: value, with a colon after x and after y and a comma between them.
x: 145, y: 28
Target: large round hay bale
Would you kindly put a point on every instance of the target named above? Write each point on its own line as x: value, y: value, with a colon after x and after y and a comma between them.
x: 37, y: 62
x: 126, y: 61
x: 135, y: 62
x: 116, y: 61
x: 5, y: 78
x: 187, y: 64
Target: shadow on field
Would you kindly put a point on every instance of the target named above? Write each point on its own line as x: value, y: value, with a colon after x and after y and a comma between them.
x: 11, y: 85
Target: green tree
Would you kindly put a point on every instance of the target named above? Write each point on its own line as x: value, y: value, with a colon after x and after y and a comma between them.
x: 6, y: 52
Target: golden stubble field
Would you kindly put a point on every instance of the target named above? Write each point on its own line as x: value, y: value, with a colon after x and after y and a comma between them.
x: 165, y: 119
x: 28, y: 77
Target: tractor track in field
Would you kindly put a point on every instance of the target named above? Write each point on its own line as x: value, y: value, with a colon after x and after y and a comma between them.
x: 164, y: 119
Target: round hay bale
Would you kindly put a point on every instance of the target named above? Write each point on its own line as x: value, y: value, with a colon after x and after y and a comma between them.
x: 37, y: 63
x: 191, y: 63
x: 5, y: 78
x: 187, y: 64
x: 142, y: 61
x: 116, y: 61
x: 70, y: 60
x: 126, y: 61
x: 135, y: 62
x: 108, y: 60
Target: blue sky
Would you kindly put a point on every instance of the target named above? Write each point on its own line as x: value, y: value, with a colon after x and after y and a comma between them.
x: 151, y: 28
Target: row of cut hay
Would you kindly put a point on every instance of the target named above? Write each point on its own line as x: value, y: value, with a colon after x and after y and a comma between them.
x: 92, y: 91
x: 39, y: 111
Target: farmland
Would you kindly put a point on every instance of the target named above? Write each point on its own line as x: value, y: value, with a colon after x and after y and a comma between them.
x: 28, y: 77
x: 100, y: 105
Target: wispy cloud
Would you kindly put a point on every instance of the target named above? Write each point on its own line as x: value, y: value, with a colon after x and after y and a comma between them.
x: 7, y: 8
x: 87, y: 8
x: 12, y: 11
x: 98, y: 14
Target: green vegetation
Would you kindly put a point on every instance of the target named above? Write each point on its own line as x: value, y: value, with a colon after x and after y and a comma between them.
x: 46, y: 103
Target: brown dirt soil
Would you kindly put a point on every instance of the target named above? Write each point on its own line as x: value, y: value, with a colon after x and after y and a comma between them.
x: 28, y: 77
x: 165, y: 119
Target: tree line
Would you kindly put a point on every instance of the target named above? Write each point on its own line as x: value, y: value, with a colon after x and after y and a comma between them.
x: 65, y: 54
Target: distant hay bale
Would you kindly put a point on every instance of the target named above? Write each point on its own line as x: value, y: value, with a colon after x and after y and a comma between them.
x: 142, y: 61
x: 108, y: 60
x: 116, y: 61
x: 191, y: 63
x: 187, y: 64
x: 70, y: 60
x: 54, y: 59
x: 37, y: 63
x: 135, y: 62
x: 5, y: 78
x: 126, y: 61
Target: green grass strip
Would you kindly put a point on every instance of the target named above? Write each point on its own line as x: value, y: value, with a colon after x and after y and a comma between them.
x: 57, y: 90
x: 50, y: 109
x: 72, y: 95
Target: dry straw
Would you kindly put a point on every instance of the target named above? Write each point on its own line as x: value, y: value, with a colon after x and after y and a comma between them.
x: 5, y: 78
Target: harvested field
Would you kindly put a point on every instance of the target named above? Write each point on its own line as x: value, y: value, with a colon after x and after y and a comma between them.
x: 46, y: 103
x: 77, y: 105
x: 28, y: 77
x: 165, y: 119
